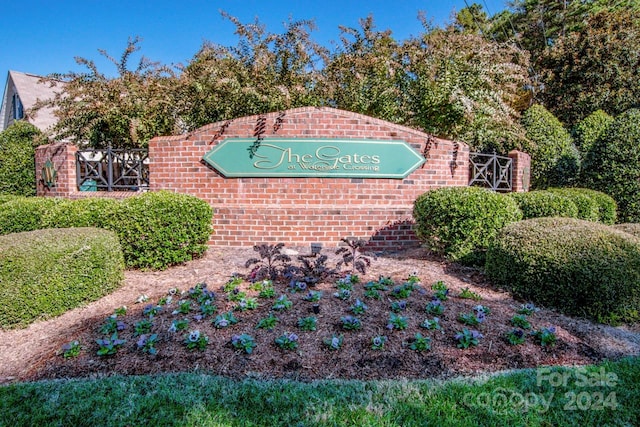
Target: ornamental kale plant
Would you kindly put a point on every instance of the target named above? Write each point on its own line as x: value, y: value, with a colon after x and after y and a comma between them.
x: 195, y: 340
x: 142, y: 327
x: 110, y: 346
x: 520, y: 321
x: 433, y: 324
x: 282, y: 303
x: 420, y: 343
x: 378, y: 342
x: 313, y: 296
x: 179, y: 325
x: 516, y: 337
x: 307, y: 323
x: 334, y: 343
x: 147, y: 343
x: 397, y: 322
x: 467, y: 294
x: 435, y: 307
x: 71, y: 349
x: 313, y: 272
x: 287, y: 341
x: 358, y: 307
x: 350, y: 323
x: 398, y: 306
x: 271, y: 265
x: 112, y: 325
x: 247, y: 304
x: 268, y: 322
x: 224, y: 320
x: 441, y: 291
x: 468, y: 338
x: 352, y: 255
x: 243, y: 342
x: 546, y: 336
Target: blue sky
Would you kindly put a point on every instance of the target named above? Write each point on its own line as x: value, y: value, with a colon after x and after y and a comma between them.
x: 42, y: 37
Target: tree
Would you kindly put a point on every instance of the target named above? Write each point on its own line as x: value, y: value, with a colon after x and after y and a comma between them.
x: 554, y: 159
x: 17, y: 167
x: 125, y: 111
x: 464, y: 87
x: 264, y: 72
x: 595, y: 68
x: 613, y: 165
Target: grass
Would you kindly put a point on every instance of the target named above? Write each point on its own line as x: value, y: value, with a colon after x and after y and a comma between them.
x: 603, y: 394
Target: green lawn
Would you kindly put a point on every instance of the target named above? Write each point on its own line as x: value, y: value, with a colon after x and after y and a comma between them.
x: 604, y: 394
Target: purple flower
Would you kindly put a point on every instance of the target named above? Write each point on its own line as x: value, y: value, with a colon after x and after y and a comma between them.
x: 480, y: 316
x: 194, y: 336
x: 120, y: 325
x: 292, y: 337
x: 197, y: 317
x: 142, y: 340
x: 390, y: 326
x: 476, y: 335
x: 235, y: 340
x: 435, y: 301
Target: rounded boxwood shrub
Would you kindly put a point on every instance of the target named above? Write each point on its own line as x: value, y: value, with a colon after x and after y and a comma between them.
x: 44, y: 273
x: 607, y: 208
x: 17, y: 152
x: 536, y: 204
x: 25, y: 213
x: 631, y: 228
x: 88, y: 212
x: 160, y: 229
x: 578, y: 267
x: 460, y: 222
x: 588, y: 208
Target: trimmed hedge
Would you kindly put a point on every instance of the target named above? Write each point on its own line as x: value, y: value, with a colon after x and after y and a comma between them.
x: 536, y: 204
x: 159, y: 229
x: 44, y: 273
x: 588, y: 208
x: 460, y: 222
x: 578, y: 267
x: 607, y: 207
x: 156, y: 229
x: 631, y: 228
x: 17, y: 152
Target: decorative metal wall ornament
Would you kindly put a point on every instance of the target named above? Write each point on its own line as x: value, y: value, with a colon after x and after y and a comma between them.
x: 490, y: 171
x: 49, y: 174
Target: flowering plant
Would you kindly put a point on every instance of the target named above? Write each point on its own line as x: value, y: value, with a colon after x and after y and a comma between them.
x: 520, y: 321
x: 307, y: 323
x: 528, y: 309
x: 397, y: 322
x: 435, y: 307
x: 413, y: 278
x: 403, y: 291
x: 378, y: 342
x: 142, y: 327
x: 282, y: 303
x: 207, y: 308
x: 482, y: 308
x: 151, y: 310
x: 147, y: 343
x: 471, y: 319
x: 313, y: 296
x: 333, y: 343
x: 372, y: 289
x: 546, y: 336
x: 236, y: 295
x: 179, y: 325
x: 195, y: 340
x: 350, y: 323
x: 233, y: 283
x: 420, y: 343
x: 112, y: 325
x: 184, y: 306
x: 243, y: 342
x: 441, y: 291
x: 516, y: 336
x: 358, y: 307
x: 224, y: 320
x: 71, y: 349
x: 287, y: 341
x: 109, y: 346
x: 467, y: 294
x: 268, y: 322
x: 298, y: 286
x: 345, y: 283
x: 433, y: 324
x: 398, y: 306
x: 247, y: 304
x: 120, y: 311
x: 468, y: 338
x: 343, y: 294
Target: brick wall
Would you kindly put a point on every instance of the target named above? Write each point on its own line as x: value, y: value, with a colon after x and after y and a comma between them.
x: 299, y: 211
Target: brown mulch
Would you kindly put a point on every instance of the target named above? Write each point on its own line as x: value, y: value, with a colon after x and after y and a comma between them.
x: 33, y: 353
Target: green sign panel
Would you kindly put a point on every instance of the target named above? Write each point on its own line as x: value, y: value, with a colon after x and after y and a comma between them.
x: 314, y: 157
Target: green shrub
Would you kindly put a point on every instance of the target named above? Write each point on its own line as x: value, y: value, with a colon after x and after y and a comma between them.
x: 88, y: 212
x: 588, y: 208
x: 460, y: 222
x: 579, y: 267
x: 44, y: 273
x: 160, y: 229
x: 4, y: 198
x: 605, y: 205
x: 591, y: 128
x: 631, y: 228
x: 613, y: 165
x: 536, y: 204
x: 25, y: 213
x: 17, y: 153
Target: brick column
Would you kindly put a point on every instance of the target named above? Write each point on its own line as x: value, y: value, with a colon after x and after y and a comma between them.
x: 63, y: 158
x: 521, y: 171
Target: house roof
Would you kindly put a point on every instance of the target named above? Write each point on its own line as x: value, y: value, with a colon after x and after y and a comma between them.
x: 30, y: 88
